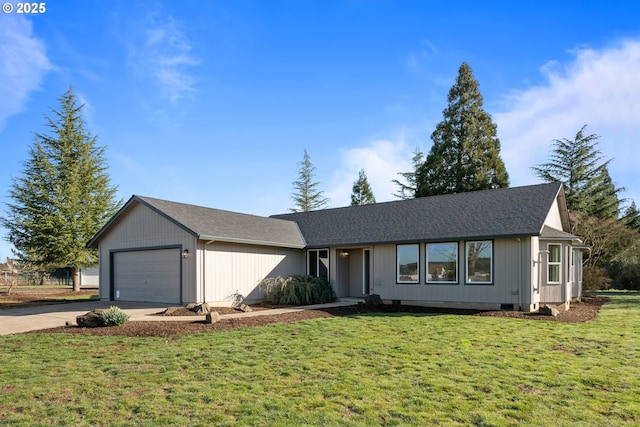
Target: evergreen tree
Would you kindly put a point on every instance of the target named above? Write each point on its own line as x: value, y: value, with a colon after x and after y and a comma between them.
x: 361, y: 193
x: 578, y: 165
x: 63, y: 197
x: 465, y: 155
x: 408, y: 188
x: 306, y: 196
x: 631, y: 217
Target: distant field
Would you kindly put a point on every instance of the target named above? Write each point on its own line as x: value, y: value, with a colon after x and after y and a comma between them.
x: 374, y: 369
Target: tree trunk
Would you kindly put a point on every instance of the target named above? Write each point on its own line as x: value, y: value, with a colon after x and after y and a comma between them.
x: 75, y: 277
x: 43, y: 275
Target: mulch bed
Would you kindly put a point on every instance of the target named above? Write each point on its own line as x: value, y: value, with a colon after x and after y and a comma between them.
x: 579, y: 312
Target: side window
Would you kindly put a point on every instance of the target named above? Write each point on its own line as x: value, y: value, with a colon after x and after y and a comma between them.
x: 407, y: 263
x: 318, y: 263
x: 554, y: 264
x: 442, y: 262
x: 479, y: 262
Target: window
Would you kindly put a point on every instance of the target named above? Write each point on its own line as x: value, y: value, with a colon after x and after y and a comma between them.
x: 318, y: 263
x: 554, y: 264
x: 442, y: 262
x: 572, y: 266
x: 407, y: 269
x: 480, y: 262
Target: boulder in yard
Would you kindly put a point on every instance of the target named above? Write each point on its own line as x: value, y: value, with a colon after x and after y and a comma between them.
x: 91, y: 319
x: 373, y: 299
x: 547, y: 310
x: 170, y: 310
x: 202, y: 308
x: 245, y: 308
x: 213, y: 317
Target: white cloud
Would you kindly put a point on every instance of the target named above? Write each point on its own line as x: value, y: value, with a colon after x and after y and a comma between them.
x: 163, y: 52
x: 23, y: 64
x: 381, y: 160
x: 599, y: 88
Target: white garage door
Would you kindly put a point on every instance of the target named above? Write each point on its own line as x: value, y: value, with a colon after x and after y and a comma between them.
x: 149, y: 276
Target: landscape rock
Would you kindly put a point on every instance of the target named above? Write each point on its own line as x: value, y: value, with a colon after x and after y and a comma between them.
x: 245, y: 308
x: 547, y: 310
x: 191, y: 306
x: 170, y: 310
x: 213, y: 317
x: 373, y: 299
x: 91, y: 319
x: 203, y: 308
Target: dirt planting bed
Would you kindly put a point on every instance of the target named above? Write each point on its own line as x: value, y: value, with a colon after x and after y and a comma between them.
x: 579, y: 312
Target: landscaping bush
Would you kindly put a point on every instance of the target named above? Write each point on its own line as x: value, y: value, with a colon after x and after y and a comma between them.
x: 298, y: 290
x: 594, y: 278
x: 114, y: 316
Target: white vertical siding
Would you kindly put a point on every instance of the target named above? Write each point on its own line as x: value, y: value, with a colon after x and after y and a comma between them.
x: 231, y: 269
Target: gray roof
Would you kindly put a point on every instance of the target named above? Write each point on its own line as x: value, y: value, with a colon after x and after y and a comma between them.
x: 503, y: 212
x: 217, y: 224
x: 550, y: 233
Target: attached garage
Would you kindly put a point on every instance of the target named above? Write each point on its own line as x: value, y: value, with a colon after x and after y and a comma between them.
x: 147, y: 275
x: 170, y: 253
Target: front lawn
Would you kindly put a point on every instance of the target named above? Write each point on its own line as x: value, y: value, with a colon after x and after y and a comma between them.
x: 374, y: 369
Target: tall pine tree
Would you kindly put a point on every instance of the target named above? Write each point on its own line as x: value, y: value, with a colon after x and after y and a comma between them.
x: 63, y: 197
x: 577, y: 163
x: 465, y: 155
x: 361, y: 193
x: 408, y: 187
x: 306, y: 195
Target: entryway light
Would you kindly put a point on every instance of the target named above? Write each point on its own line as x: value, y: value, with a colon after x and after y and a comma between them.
x: 185, y: 253
x: 345, y: 252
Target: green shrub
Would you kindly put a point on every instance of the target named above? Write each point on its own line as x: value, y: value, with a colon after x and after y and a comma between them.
x: 594, y: 278
x: 298, y: 290
x: 114, y: 316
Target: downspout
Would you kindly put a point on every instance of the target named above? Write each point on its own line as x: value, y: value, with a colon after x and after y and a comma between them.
x: 520, y: 281
x: 204, y: 270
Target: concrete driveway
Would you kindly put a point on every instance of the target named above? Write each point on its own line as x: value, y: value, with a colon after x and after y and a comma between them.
x: 18, y: 320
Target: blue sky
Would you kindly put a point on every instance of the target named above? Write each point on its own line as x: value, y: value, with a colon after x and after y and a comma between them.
x: 213, y: 102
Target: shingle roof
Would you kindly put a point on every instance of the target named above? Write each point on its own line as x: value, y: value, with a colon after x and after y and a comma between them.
x: 504, y: 212
x: 220, y: 225
x: 552, y: 233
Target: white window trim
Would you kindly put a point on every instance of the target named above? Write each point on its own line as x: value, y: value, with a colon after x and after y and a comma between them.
x: 558, y: 263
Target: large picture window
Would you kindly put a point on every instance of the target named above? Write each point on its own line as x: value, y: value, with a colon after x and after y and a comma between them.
x: 407, y: 267
x: 318, y: 263
x: 442, y: 262
x: 554, y: 265
x: 479, y: 262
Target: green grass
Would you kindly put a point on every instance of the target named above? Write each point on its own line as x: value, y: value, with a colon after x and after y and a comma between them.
x: 365, y: 370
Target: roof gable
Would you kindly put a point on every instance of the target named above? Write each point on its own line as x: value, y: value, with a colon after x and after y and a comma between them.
x: 216, y: 224
x: 504, y: 212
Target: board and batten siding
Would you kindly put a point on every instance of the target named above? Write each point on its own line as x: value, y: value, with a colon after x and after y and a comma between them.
x: 142, y: 228
x: 233, y: 269
x: 511, y: 277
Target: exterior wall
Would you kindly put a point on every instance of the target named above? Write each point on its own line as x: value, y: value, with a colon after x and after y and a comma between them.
x: 554, y: 219
x: 143, y: 228
x: 512, y: 273
x: 562, y: 292
x: 228, y: 270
